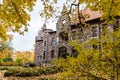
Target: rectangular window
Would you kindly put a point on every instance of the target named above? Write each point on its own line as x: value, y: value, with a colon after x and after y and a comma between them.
x: 53, y: 42
x: 52, y: 53
x: 44, y: 54
x: 94, y: 31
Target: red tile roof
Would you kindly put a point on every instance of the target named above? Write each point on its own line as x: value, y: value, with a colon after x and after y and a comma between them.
x: 92, y: 14
x: 89, y: 15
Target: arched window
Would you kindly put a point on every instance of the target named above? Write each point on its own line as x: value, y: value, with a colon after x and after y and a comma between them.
x: 62, y: 52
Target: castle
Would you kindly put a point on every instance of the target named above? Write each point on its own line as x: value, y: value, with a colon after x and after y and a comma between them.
x: 51, y: 44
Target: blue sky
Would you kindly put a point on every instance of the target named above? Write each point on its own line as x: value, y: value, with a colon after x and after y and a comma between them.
x: 26, y: 42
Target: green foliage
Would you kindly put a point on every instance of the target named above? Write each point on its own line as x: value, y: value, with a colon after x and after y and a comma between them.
x: 3, y: 68
x: 6, y: 45
x: 8, y: 63
x: 14, y: 15
x: 6, y: 52
x: 35, y: 71
x: 95, y: 64
x: 109, y: 11
x: 7, y: 59
x: 19, y: 61
x: 24, y: 57
x: 49, y: 9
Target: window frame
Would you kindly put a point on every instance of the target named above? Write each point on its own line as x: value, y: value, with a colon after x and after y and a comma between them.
x: 95, y: 32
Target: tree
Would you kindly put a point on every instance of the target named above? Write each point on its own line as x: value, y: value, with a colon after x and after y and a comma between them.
x: 101, y: 63
x: 93, y: 64
x: 6, y: 53
x: 14, y: 15
x: 109, y: 11
x: 24, y: 57
x: 6, y: 50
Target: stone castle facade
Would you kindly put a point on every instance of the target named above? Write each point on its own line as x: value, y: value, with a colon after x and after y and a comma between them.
x: 51, y: 44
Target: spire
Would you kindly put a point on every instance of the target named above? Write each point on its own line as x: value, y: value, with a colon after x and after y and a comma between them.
x: 44, y: 25
x: 64, y: 11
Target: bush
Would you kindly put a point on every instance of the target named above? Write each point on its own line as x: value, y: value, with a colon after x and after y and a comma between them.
x: 9, y: 63
x: 32, y: 64
x: 29, y: 65
x: 35, y: 71
x: 51, y: 70
x: 19, y: 61
x: 4, y: 68
x: 23, y: 72
x: 10, y: 73
x: 7, y: 59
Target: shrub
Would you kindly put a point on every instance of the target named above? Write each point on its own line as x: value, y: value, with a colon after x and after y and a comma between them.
x: 4, y: 68
x: 8, y: 59
x: 19, y: 61
x: 24, y: 74
x: 35, y: 71
x: 32, y: 64
x: 29, y: 64
x: 10, y: 73
x: 9, y: 63
x: 51, y: 70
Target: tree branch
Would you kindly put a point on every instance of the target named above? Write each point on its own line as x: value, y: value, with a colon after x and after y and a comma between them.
x: 16, y: 9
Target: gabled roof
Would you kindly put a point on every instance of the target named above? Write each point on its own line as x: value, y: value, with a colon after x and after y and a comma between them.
x: 89, y: 15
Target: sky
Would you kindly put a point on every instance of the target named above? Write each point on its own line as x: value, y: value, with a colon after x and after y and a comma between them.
x: 26, y: 42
